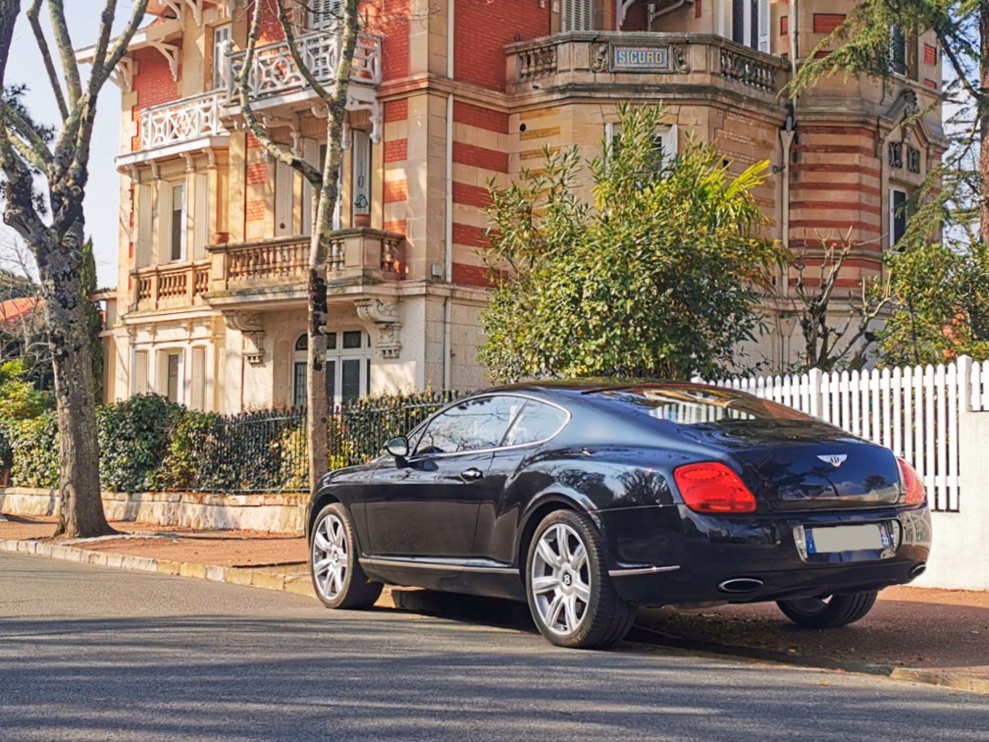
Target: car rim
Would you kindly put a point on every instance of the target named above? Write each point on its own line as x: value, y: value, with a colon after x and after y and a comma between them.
x: 330, y: 556
x: 561, y: 579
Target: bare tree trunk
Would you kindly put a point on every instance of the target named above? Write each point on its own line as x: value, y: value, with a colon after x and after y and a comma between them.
x: 81, y: 507
x: 982, y: 108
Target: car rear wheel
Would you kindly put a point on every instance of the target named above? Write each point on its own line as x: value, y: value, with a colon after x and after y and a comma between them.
x: 570, y: 594
x: 830, y: 612
x: 337, y: 576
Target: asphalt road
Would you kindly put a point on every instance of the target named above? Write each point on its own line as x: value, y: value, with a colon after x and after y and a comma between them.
x: 95, y: 653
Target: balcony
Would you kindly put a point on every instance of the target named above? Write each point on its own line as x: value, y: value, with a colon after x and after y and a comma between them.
x: 163, y: 287
x: 609, y: 62
x: 179, y: 126
x: 275, y: 79
x: 365, y: 256
x: 275, y: 272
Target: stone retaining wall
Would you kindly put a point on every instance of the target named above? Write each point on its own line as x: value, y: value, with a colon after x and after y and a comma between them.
x: 279, y: 513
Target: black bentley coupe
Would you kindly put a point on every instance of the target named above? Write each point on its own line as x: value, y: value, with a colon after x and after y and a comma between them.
x: 590, y: 499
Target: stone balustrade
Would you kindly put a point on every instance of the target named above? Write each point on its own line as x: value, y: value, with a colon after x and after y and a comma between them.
x: 668, y: 60
x: 170, y: 286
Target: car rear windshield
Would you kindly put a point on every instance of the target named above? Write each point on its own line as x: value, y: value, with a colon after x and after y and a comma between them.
x: 689, y: 405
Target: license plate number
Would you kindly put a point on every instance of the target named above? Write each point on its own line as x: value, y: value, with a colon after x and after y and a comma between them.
x: 847, y: 538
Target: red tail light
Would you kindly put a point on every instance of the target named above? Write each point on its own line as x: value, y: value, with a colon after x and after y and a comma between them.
x: 710, y: 487
x: 914, y: 488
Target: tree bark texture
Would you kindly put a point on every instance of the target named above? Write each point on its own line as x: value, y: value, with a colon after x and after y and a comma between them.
x: 982, y: 104
x: 81, y: 507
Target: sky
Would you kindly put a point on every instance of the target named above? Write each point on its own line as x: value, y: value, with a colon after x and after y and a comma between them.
x: 102, y: 192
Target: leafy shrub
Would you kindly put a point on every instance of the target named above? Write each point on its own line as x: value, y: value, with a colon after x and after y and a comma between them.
x: 188, y: 447
x: 34, y: 444
x: 19, y: 400
x: 134, y: 438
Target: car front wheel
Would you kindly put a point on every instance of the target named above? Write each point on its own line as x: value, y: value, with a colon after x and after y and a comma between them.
x: 337, y: 576
x: 830, y: 612
x: 570, y: 594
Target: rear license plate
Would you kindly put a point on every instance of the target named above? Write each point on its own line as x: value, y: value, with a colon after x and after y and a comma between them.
x: 847, y: 538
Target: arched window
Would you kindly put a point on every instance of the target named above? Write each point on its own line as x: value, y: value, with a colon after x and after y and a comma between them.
x: 299, y: 360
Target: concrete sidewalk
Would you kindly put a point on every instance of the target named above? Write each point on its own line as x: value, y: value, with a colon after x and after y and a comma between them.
x: 933, y: 636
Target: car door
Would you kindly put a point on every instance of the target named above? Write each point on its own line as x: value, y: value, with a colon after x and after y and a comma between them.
x: 511, y: 485
x: 426, y: 506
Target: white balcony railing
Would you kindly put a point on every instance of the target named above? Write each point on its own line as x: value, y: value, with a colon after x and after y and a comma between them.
x: 275, y: 72
x: 181, y: 120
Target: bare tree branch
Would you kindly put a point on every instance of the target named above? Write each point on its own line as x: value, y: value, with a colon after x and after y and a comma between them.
x: 35, y: 148
x: 46, y: 55
x: 102, y: 73
x: 66, y: 52
x: 289, y: 31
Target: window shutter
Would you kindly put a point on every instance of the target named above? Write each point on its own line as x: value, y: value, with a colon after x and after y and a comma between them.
x: 198, y: 378
x: 310, y: 153
x: 164, y: 221
x: 323, y: 14
x: 222, y: 39
x: 724, y: 22
x: 361, y: 173
x: 200, y: 216
x: 140, y: 380
x: 764, y: 25
x: 577, y: 15
x: 161, y: 378
x: 670, y: 140
x: 283, y: 199
x: 145, y: 225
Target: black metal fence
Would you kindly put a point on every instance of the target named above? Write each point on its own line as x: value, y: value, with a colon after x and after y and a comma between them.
x: 267, y: 451
x: 356, y: 432
x: 253, y: 452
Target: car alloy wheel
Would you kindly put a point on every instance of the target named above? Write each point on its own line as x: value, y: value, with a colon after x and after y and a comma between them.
x: 561, y: 581
x: 330, y: 557
x: 572, y: 600
x: 337, y: 576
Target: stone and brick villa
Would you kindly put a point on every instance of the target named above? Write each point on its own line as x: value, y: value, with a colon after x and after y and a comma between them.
x: 211, y: 301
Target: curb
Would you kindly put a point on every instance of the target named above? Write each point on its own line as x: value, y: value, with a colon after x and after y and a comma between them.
x: 412, y: 600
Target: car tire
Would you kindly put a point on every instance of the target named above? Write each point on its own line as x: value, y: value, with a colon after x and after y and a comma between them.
x: 572, y: 600
x: 337, y: 576
x: 828, y: 613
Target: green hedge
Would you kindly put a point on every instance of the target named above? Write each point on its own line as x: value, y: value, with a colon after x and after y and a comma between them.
x: 150, y: 444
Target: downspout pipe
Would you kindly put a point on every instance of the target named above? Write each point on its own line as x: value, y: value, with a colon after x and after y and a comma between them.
x: 448, y: 206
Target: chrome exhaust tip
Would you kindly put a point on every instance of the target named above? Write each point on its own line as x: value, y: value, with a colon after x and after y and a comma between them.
x: 918, y: 570
x: 740, y: 585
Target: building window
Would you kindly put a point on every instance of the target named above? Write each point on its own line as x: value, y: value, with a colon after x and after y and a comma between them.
x: 897, y: 51
x: 222, y: 40
x: 665, y: 141
x: 323, y: 14
x: 169, y: 376
x: 300, y: 364
x: 139, y: 377
x: 913, y: 160
x: 748, y: 23
x: 576, y: 15
x: 896, y: 155
x: 177, y: 246
x: 898, y: 215
x: 348, y: 366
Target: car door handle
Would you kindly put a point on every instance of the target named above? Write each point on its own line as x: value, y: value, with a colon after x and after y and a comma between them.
x: 471, y: 475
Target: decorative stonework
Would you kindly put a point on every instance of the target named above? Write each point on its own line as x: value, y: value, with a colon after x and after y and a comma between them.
x: 251, y: 327
x: 384, y: 314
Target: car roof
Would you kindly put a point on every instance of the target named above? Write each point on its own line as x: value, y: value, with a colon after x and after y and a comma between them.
x: 592, y: 385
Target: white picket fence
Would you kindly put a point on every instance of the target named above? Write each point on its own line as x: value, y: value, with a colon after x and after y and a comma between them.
x: 913, y: 411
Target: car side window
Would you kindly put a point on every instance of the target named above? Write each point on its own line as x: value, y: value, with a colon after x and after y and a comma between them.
x: 472, y: 425
x: 537, y: 422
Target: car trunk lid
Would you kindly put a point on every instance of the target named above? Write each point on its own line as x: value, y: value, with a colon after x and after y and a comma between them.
x: 807, y: 466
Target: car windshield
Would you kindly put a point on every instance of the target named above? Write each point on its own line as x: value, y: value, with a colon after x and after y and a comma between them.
x: 689, y: 405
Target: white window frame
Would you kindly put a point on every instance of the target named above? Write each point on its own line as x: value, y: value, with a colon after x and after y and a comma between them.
x: 299, y: 356
x: 182, y: 209
x: 667, y: 134
x: 755, y: 38
x: 161, y: 379
x: 222, y: 43
x: 323, y: 14
x: 340, y: 354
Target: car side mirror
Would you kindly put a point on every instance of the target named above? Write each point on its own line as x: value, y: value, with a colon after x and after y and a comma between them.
x: 398, y: 447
